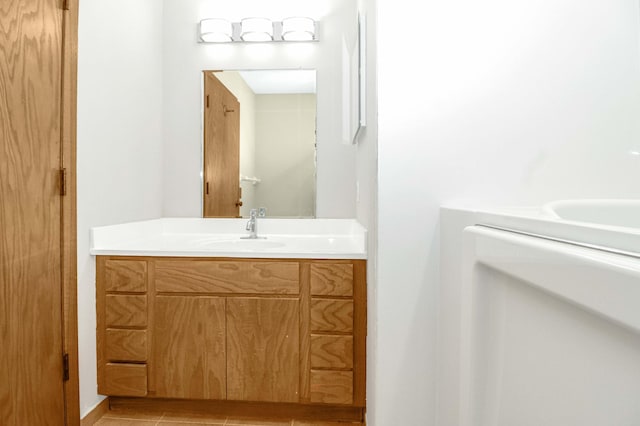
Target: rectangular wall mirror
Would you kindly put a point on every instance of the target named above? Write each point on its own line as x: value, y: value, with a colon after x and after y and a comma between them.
x: 259, y: 143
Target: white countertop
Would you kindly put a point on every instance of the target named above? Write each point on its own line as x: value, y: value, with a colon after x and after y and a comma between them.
x: 196, y: 237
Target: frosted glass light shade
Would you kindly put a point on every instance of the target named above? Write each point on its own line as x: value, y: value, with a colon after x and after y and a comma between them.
x: 298, y: 29
x: 256, y: 29
x: 216, y: 30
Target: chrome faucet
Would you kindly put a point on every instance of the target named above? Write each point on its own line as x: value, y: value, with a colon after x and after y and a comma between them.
x: 252, y: 224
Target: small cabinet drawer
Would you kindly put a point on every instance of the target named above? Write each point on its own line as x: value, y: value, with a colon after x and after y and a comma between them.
x: 126, y: 345
x: 125, y: 275
x: 212, y: 276
x: 331, y: 351
x: 124, y: 380
x: 332, y: 279
x: 331, y: 387
x: 332, y: 315
x: 126, y: 310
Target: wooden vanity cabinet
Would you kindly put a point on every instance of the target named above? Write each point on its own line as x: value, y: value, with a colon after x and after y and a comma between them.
x: 258, y: 330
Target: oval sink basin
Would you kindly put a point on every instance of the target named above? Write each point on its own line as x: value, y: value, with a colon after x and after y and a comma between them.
x: 624, y: 213
x: 244, y: 244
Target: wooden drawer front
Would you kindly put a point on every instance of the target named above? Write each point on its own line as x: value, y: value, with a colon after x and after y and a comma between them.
x: 331, y: 351
x: 126, y: 275
x: 126, y: 345
x: 332, y: 315
x: 126, y: 311
x: 332, y: 387
x: 125, y: 380
x: 183, y: 276
x: 328, y: 279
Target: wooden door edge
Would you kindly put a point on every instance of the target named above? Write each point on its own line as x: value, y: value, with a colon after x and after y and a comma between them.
x: 69, y: 212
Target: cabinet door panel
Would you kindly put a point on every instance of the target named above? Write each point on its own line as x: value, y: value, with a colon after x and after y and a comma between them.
x: 263, y: 362
x: 189, y: 347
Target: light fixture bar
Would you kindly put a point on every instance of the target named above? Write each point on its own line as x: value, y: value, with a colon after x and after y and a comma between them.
x: 258, y: 30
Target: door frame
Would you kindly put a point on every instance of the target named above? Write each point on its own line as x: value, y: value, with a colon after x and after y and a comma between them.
x: 69, y: 212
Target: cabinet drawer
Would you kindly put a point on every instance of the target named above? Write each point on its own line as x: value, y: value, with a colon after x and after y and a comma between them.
x: 331, y: 351
x: 126, y: 345
x: 332, y: 315
x: 125, y: 380
x: 125, y: 275
x: 209, y: 276
x: 332, y: 387
x: 332, y: 279
x: 126, y: 310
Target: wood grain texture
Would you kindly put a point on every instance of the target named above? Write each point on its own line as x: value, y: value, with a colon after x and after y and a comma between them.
x: 331, y: 351
x: 189, y: 347
x: 263, y: 361
x: 101, y: 326
x: 126, y: 345
x: 126, y: 275
x: 360, y: 333
x: 319, y: 412
x: 31, y: 241
x: 151, y: 316
x: 332, y: 387
x: 213, y: 276
x: 305, y: 332
x: 221, y: 150
x: 125, y: 380
x: 125, y: 310
x: 332, y: 315
x: 332, y: 279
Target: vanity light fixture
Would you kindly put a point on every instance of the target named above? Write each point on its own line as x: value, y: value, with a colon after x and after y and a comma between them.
x: 298, y: 29
x: 251, y: 30
x: 216, y: 30
x: 256, y: 29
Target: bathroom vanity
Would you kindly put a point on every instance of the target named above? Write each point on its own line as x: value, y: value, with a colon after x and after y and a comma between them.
x: 258, y: 321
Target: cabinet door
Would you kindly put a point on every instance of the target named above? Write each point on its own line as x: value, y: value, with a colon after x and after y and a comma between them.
x: 189, y: 347
x: 263, y: 349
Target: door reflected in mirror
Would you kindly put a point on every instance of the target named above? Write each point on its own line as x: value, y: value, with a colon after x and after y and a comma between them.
x: 259, y: 143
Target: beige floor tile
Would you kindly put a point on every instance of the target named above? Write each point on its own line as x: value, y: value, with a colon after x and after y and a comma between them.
x: 194, y: 418
x: 233, y: 421
x: 124, y: 422
x: 189, y: 423
x: 205, y: 419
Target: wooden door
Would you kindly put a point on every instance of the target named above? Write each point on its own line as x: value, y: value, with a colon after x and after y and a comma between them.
x: 189, y: 347
x: 31, y: 63
x: 263, y: 349
x: 221, y: 150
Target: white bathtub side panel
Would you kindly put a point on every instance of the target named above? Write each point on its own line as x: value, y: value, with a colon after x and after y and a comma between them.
x: 534, y: 357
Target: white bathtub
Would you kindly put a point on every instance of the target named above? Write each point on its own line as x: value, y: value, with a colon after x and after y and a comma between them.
x: 540, y: 321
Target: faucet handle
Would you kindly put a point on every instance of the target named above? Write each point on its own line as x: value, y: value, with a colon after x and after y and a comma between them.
x: 253, y: 213
x: 262, y: 212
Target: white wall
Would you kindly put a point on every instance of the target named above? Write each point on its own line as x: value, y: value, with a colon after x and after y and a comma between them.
x: 184, y: 59
x: 119, y: 141
x: 502, y: 102
x: 285, y: 148
x: 367, y: 205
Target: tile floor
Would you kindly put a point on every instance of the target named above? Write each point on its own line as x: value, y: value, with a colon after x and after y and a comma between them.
x: 115, y: 418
